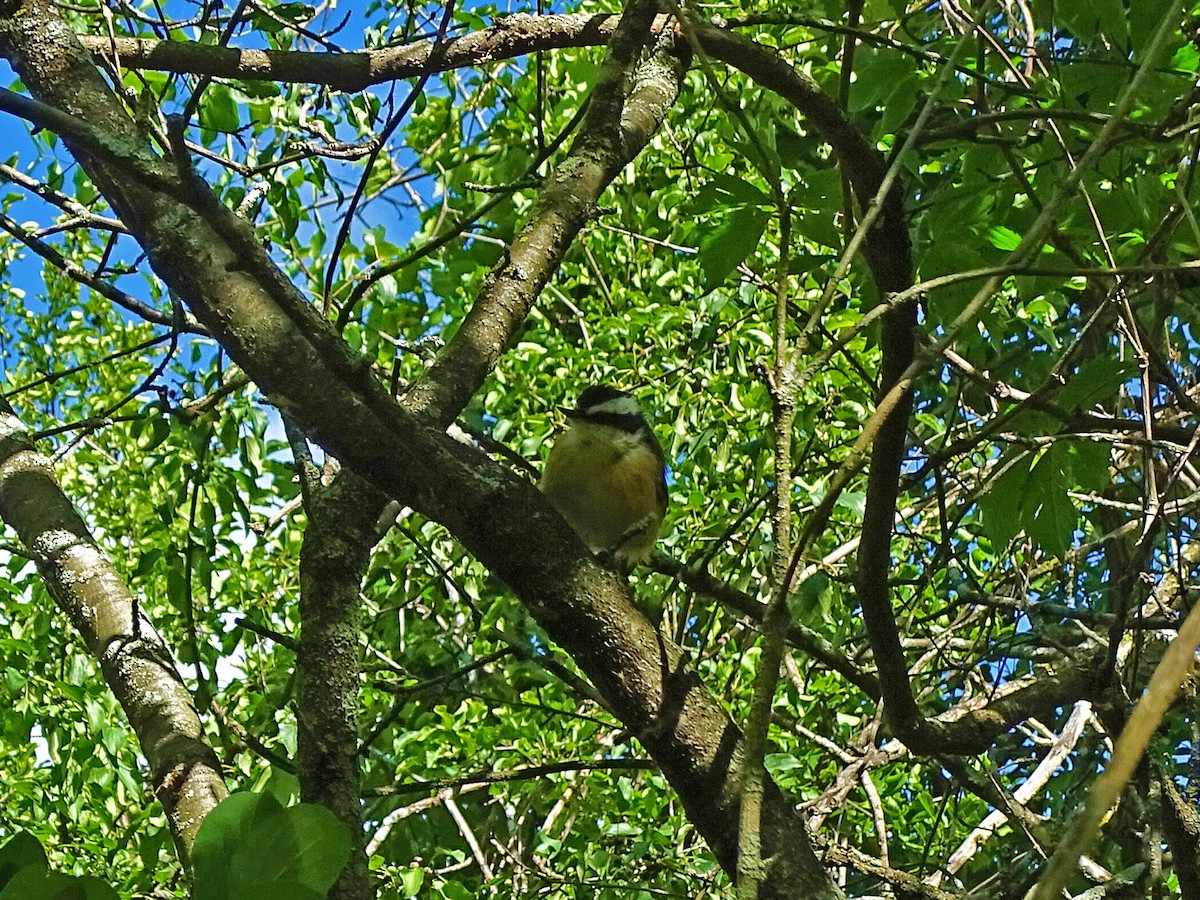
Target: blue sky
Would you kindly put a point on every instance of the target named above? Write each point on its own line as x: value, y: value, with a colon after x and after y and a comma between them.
x: 352, y: 19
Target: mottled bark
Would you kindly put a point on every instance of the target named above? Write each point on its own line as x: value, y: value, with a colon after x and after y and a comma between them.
x: 510, y: 37
x: 1181, y: 825
x: 137, y: 665
x: 341, y: 531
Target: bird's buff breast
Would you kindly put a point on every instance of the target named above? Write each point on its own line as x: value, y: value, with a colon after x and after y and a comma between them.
x: 602, y: 487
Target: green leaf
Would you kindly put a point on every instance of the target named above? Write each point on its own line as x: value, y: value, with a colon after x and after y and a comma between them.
x: 622, y: 829
x: 452, y: 890
x: 1053, y: 521
x: 1089, y: 463
x: 317, y: 840
x: 810, y: 604
x: 1049, y: 516
x: 158, y: 429
x: 1098, y: 379
x: 20, y: 851
x: 1088, y: 19
x: 251, y: 843
x: 722, y: 190
x: 1033, y: 498
x: 1003, y: 238
x: 727, y: 246
x: 219, y: 839
x: 411, y: 880
x: 35, y: 882
x: 1001, y: 504
x: 776, y: 763
x: 1186, y: 58
x: 218, y: 110
x: 278, y: 890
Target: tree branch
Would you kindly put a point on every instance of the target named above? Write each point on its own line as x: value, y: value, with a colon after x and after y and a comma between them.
x: 510, y: 37
x: 137, y: 665
x: 341, y: 531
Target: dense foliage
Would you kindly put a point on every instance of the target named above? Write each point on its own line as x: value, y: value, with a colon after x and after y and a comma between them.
x: 1027, y: 284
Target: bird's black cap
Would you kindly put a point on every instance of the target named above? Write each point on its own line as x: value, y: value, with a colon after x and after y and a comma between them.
x: 597, y: 394
x: 591, y: 398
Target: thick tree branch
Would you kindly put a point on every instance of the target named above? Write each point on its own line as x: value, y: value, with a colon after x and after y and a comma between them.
x: 510, y: 37
x: 337, y: 546
x: 137, y: 665
x: 341, y: 531
x: 973, y: 725
x: 1181, y: 825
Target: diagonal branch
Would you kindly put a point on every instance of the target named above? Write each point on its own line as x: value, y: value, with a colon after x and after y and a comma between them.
x: 99, y: 285
x: 184, y: 772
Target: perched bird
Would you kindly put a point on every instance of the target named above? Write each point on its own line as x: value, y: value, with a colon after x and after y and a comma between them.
x: 606, y: 475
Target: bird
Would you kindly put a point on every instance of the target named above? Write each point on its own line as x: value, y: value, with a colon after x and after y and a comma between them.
x: 606, y: 475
